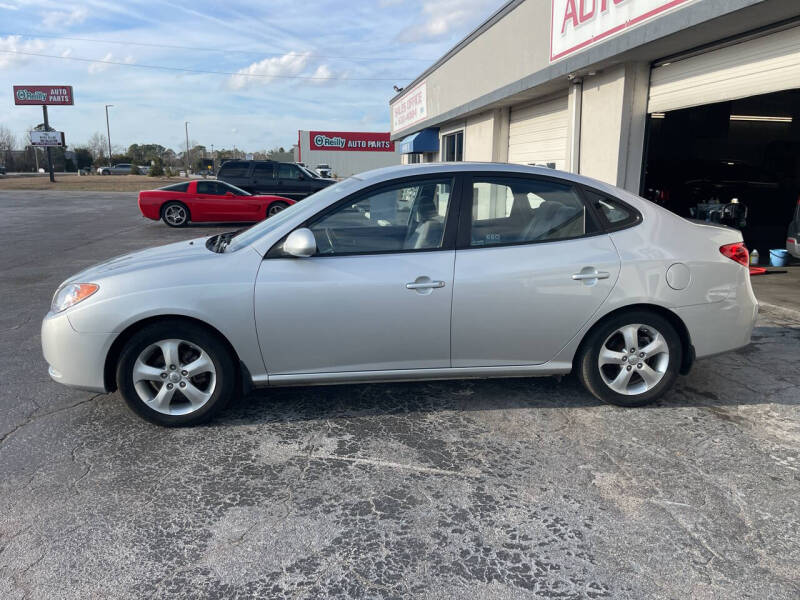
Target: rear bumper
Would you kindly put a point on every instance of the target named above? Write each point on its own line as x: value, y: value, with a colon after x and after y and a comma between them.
x: 793, y: 246
x: 74, y: 359
x: 722, y: 326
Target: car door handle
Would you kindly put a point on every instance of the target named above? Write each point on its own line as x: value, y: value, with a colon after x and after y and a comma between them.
x: 591, y: 275
x: 424, y: 285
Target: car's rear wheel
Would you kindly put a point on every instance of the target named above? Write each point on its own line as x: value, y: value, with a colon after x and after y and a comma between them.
x: 631, y: 359
x: 176, y: 373
x: 275, y: 208
x: 175, y: 214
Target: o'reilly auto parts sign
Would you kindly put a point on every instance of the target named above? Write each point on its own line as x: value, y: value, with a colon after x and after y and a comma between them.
x: 353, y: 141
x: 578, y: 24
x: 51, y: 95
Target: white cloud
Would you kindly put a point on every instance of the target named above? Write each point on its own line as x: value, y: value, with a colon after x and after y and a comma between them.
x: 441, y: 17
x: 59, y: 19
x: 99, y: 67
x: 266, y: 70
x: 14, y: 43
x: 322, y: 75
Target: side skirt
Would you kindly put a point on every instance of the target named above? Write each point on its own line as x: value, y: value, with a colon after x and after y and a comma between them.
x: 544, y: 370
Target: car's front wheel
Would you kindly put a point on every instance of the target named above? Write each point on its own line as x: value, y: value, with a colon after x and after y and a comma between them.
x: 175, y: 214
x: 275, y: 208
x: 631, y: 359
x: 176, y: 373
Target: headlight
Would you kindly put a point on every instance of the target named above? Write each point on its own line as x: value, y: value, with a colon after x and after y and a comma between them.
x: 71, y: 294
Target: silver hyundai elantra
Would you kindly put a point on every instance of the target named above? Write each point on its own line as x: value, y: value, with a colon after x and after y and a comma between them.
x: 436, y: 271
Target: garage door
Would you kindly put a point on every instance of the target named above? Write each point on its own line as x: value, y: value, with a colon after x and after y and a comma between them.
x: 759, y: 66
x: 537, y: 134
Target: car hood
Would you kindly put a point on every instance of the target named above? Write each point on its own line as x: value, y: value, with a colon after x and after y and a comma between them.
x: 143, y: 259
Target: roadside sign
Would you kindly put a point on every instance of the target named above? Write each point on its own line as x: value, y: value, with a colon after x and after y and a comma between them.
x: 42, y: 95
x: 47, y: 138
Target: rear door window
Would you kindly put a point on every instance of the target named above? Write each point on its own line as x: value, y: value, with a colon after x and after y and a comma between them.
x: 234, y: 169
x: 515, y: 210
x: 288, y: 171
x: 263, y: 171
x: 615, y: 213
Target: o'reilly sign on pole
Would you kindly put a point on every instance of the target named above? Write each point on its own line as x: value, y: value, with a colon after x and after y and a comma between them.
x: 44, y: 96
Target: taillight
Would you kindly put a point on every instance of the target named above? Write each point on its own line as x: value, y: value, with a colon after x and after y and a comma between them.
x: 737, y: 252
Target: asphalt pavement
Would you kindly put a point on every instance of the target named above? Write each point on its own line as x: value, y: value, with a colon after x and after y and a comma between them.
x: 524, y: 488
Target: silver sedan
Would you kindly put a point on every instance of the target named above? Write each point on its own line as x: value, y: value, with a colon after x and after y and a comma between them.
x: 435, y: 271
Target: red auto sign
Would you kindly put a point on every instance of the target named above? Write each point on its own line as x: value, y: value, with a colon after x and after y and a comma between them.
x: 354, y: 141
x: 43, y: 94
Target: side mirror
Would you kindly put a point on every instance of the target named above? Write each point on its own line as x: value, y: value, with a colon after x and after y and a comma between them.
x: 229, y: 193
x: 300, y: 243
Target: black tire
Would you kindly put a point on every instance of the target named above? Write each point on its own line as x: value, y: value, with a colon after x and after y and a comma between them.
x: 589, y: 370
x: 175, y: 208
x: 225, y: 384
x: 276, y: 207
x: 105, y: 172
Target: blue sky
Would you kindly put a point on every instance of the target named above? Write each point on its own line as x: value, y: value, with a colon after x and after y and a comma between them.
x: 346, y: 57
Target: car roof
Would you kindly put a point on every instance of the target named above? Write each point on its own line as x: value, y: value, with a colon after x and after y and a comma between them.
x: 485, y: 167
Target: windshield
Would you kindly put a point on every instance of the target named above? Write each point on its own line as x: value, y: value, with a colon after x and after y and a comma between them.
x: 251, y: 234
x: 310, y: 172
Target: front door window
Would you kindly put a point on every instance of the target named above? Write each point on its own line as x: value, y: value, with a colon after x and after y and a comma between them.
x: 403, y: 217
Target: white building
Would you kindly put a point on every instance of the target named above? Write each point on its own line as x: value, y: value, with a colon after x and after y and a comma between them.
x: 688, y: 102
x: 346, y: 152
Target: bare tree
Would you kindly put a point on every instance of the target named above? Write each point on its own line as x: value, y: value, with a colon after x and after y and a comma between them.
x: 98, y: 144
x: 8, y: 141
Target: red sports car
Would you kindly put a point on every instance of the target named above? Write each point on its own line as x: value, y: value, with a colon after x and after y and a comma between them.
x: 206, y: 201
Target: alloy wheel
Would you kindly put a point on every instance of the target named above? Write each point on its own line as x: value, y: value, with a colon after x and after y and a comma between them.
x: 175, y: 214
x: 174, y: 377
x: 633, y: 359
x: 275, y: 209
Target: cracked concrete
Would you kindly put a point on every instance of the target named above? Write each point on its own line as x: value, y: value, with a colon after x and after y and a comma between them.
x: 479, y: 489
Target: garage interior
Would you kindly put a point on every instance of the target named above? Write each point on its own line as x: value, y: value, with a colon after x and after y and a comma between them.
x: 698, y: 160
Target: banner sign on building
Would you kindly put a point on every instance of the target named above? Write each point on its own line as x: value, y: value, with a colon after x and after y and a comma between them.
x: 411, y: 108
x: 51, y: 95
x: 578, y: 24
x: 354, y: 141
x: 47, y: 138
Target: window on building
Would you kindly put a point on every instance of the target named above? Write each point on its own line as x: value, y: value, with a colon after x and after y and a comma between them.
x: 414, y: 158
x: 518, y: 210
x: 453, y: 147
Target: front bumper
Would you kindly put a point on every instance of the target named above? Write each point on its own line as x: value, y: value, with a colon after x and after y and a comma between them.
x: 74, y: 359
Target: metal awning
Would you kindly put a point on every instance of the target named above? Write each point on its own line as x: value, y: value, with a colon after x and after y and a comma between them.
x: 426, y: 140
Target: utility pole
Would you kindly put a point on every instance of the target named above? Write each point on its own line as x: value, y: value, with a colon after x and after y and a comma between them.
x: 108, y: 134
x: 186, y: 125
x: 213, y: 162
x: 49, y: 150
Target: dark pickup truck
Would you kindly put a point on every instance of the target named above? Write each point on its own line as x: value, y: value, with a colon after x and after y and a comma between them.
x: 271, y: 177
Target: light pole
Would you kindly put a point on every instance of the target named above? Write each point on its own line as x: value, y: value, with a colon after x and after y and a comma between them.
x: 108, y: 134
x: 186, y: 125
x: 213, y: 162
